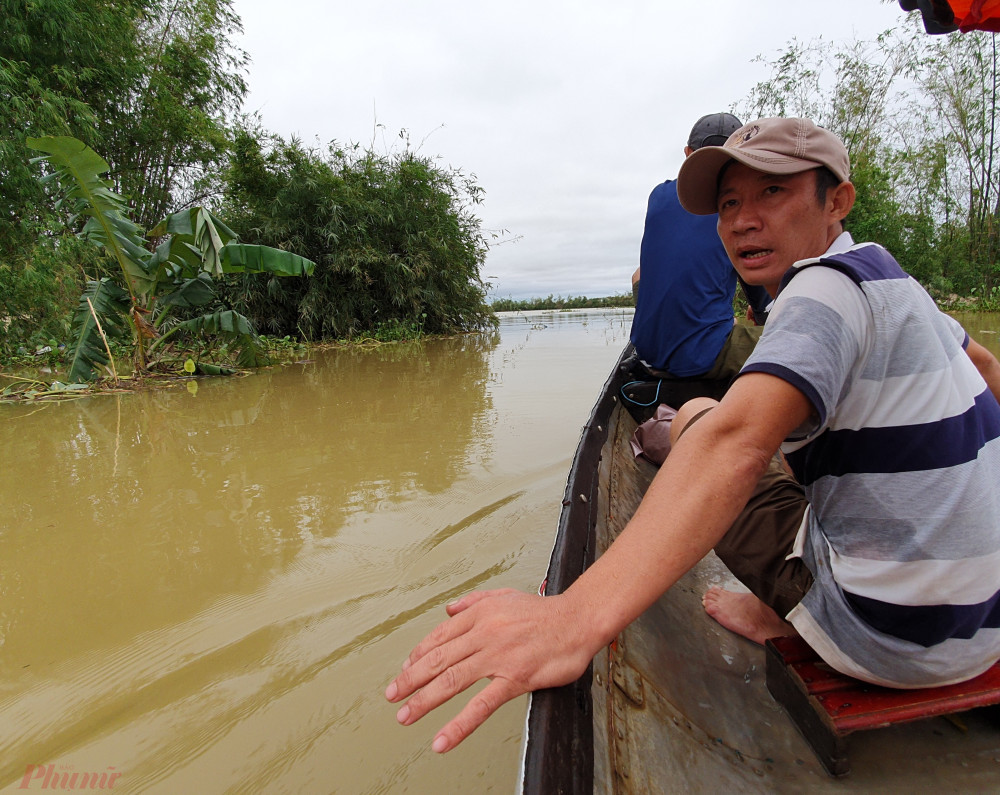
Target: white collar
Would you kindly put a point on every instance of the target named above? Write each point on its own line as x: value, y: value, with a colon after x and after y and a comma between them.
x: 841, y: 244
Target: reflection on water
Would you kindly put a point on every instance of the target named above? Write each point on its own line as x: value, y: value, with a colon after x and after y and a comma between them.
x: 186, y: 496
x: 208, y: 589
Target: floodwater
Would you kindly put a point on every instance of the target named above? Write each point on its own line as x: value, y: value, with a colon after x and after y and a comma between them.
x: 983, y: 327
x: 206, y: 589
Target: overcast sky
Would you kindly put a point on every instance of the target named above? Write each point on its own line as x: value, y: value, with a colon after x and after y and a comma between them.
x: 568, y: 113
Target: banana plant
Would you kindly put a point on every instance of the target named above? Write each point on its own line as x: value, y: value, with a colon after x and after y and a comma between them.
x: 196, y: 248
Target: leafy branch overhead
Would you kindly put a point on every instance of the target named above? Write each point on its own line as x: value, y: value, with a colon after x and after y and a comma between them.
x: 180, y: 272
x: 921, y: 119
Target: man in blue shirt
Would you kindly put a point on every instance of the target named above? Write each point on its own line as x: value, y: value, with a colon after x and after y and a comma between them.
x: 683, y: 330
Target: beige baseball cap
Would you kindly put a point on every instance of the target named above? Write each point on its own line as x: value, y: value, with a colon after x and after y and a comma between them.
x: 774, y: 146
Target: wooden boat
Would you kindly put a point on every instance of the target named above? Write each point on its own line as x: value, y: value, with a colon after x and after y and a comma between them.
x: 680, y: 705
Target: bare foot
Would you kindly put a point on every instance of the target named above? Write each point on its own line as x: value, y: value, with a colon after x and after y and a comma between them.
x: 745, y: 614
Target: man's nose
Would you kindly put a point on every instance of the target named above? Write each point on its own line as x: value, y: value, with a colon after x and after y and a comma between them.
x: 745, y: 218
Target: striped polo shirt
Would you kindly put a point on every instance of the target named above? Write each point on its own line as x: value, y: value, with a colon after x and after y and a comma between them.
x: 901, y: 468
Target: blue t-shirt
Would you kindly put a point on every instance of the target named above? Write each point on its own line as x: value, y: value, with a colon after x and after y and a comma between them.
x: 684, y: 310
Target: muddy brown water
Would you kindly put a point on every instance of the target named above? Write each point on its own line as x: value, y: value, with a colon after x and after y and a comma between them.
x: 207, y: 590
x: 983, y: 327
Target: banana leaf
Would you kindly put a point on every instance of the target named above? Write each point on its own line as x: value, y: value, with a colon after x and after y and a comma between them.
x: 197, y: 238
x: 234, y: 327
x: 207, y: 368
x: 77, y: 169
x: 179, y: 272
x: 185, y: 222
x: 240, y: 257
x: 88, y: 354
x: 135, y: 263
x: 191, y: 292
x: 226, y: 321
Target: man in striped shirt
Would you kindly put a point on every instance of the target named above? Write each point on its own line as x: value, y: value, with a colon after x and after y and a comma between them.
x: 883, y: 551
x: 889, y: 563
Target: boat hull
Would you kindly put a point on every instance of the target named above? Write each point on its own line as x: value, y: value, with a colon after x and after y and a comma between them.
x: 679, y: 704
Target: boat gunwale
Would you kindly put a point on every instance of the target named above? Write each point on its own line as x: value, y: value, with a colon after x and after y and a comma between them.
x: 550, y: 734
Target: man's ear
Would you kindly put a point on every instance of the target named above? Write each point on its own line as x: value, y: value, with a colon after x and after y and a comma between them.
x: 841, y: 199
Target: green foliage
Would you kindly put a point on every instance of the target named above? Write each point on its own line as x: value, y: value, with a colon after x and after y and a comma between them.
x: 393, y: 238
x: 987, y: 299
x: 283, y: 348
x: 151, y: 84
x: 167, y: 138
x: 396, y: 330
x: 39, y: 290
x: 102, y: 314
x: 76, y: 174
x: 961, y: 75
x: 920, y: 116
x: 558, y: 302
x: 154, y: 86
x: 876, y: 214
x: 233, y: 326
x: 62, y: 64
x: 178, y: 274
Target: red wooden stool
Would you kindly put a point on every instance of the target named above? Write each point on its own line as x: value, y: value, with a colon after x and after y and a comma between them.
x: 826, y: 706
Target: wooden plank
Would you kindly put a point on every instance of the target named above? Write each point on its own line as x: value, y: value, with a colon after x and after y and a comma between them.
x: 815, y: 725
x: 827, y: 705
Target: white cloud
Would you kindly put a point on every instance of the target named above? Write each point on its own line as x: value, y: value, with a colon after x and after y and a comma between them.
x: 567, y: 113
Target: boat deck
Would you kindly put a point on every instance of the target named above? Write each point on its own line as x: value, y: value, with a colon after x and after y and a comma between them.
x: 680, y: 704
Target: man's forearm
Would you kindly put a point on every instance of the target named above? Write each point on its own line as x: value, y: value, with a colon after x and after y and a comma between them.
x: 987, y: 365
x: 689, y: 506
x: 524, y: 642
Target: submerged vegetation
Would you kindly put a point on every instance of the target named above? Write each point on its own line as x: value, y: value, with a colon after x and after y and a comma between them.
x: 196, y: 210
x: 156, y: 291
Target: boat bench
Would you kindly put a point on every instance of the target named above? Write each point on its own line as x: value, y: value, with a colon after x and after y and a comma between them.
x: 827, y: 706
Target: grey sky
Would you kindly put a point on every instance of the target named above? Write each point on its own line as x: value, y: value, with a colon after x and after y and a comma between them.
x: 567, y: 113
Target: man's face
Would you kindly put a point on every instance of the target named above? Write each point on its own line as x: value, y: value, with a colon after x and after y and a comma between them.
x: 767, y: 222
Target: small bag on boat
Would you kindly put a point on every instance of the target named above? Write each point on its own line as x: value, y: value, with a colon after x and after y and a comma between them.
x: 651, y: 440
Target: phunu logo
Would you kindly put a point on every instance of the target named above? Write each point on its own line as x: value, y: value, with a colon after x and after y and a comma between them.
x: 47, y: 777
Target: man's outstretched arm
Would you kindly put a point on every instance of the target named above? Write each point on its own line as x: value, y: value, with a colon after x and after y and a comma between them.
x: 523, y: 642
x: 987, y: 365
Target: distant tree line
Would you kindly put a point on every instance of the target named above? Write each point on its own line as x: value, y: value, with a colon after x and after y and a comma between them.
x: 921, y: 119
x: 558, y: 302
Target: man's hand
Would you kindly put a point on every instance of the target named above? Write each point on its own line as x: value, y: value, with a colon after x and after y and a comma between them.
x: 520, y: 641
x: 523, y: 642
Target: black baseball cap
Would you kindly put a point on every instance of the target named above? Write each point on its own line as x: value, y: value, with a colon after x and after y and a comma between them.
x: 713, y: 130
